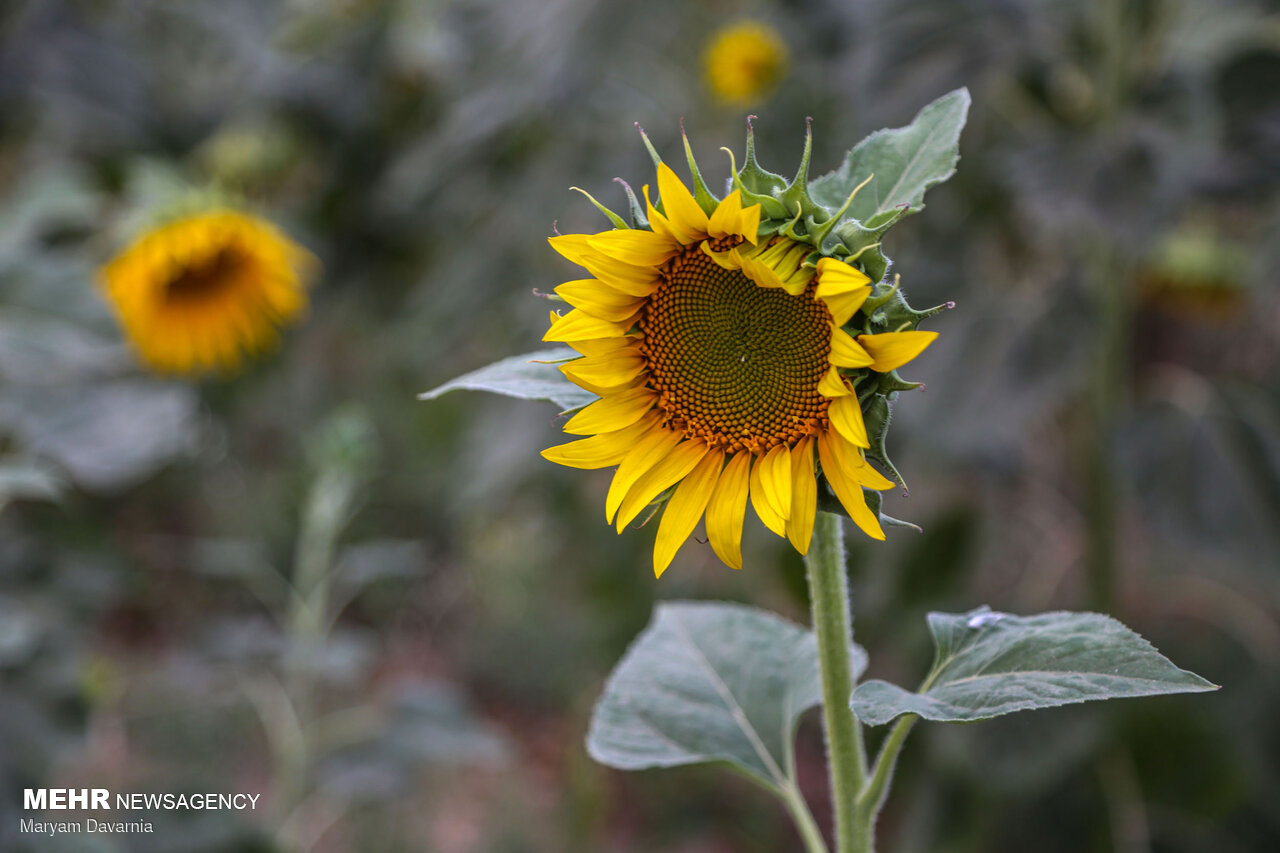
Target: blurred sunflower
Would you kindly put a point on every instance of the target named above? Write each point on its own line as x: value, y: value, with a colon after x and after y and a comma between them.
x: 202, y: 292
x: 744, y: 62
x: 720, y: 358
x: 1197, y: 274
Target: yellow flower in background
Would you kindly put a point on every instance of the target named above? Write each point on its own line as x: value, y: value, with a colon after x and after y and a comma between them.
x: 744, y: 62
x: 202, y: 292
x: 717, y: 357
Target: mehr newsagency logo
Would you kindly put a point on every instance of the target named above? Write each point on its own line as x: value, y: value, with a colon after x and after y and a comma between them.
x: 124, y: 806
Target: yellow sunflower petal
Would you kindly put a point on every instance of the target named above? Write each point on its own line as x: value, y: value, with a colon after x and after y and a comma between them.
x: 775, y: 478
x: 846, y: 352
x: 729, y: 219
x: 730, y: 260
x: 760, y: 503
x: 684, y: 509
x: 844, y: 305
x: 661, y: 225
x: 633, y: 246
x: 682, y: 210
x: 599, y: 299
x: 804, y: 496
x: 666, y: 473
x: 851, y: 459
x: 605, y: 346
x: 749, y: 224
x: 612, y: 412
x: 605, y: 372
x: 651, y: 450
x: 891, y: 350
x: 840, y: 277
x: 572, y: 246
x: 834, y: 385
x: 759, y: 272
x: 846, y: 417
x: 578, y: 325
x: 847, y: 488
x: 603, y: 450
x: 842, y: 288
x: 726, y: 509
x: 725, y: 218
x: 870, y: 478
x: 780, y: 264
x: 630, y: 279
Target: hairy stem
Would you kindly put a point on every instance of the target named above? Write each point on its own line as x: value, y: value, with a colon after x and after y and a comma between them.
x: 832, y: 623
x: 808, y: 827
x: 873, y: 794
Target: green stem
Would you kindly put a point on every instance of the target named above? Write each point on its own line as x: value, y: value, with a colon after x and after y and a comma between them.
x: 1105, y: 397
x: 1118, y: 67
x: 306, y: 624
x: 832, y: 624
x: 808, y: 827
x: 873, y: 795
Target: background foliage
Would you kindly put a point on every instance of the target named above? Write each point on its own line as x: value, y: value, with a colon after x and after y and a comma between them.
x: 1099, y: 431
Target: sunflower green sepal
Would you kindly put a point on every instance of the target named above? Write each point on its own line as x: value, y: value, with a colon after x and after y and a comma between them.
x: 795, y: 196
x: 888, y: 310
x: 861, y: 241
x: 638, y: 217
x: 760, y: 186
x: 891, y: 383
x: 828, y: 502
x: 895, y: 166
x: 874, y: 500
x: 877, y: 412
x: 618, y: 221
x: 701, y: 194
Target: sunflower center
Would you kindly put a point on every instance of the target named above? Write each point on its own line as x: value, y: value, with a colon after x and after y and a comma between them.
x: 733, y: 362
x: 205, y: 277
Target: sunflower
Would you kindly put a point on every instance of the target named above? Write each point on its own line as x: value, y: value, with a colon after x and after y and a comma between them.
x: 727, y: 361
x: 744, y: 62
x: 201, y: 292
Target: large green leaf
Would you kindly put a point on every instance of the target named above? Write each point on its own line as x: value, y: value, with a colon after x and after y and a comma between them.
x: 991, y: 663
x: 532, y: 376
x: 906, y: 161
x: 710, y: 682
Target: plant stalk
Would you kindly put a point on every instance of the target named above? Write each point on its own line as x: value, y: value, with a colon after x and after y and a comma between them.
x: 832, y: 624
x: 807, y: 826
x: 1106, y: 390
x: 872, y: 797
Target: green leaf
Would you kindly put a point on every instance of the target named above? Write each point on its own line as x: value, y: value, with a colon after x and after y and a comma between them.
x: 991, y: 663
x: 710, y: 682
x: 906, y: 161
x: 28, y: 480
x: 533, y: 376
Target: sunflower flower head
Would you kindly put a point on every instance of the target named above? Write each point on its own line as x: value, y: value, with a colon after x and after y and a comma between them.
x: 200, y: 292
x: 743, y: 62
x: 743, y: 350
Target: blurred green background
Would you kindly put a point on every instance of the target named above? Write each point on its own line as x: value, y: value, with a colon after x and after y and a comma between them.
x: 391, y: 618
